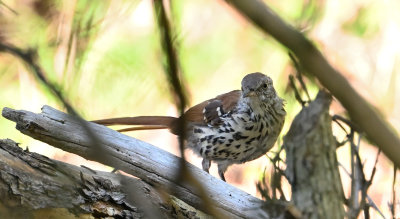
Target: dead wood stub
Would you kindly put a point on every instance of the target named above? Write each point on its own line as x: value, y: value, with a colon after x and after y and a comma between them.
x: 312, y: 167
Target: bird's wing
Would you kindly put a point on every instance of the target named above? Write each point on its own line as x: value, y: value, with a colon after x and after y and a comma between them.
x: 209, y: 111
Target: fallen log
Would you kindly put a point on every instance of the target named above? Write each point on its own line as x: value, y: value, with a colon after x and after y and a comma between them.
x: 151, y: 164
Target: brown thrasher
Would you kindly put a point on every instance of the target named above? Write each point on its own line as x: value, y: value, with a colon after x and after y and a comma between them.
x: 234, y: 127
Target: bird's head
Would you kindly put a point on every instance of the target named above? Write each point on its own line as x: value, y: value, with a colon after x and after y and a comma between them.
x: 258, y: 85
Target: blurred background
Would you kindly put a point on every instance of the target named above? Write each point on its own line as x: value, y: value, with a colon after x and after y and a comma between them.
x: 107, y: 59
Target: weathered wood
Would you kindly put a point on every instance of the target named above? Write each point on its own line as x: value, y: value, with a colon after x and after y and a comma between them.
x: 32, y: 185
x: 312, y: 167
x: 149, y: 163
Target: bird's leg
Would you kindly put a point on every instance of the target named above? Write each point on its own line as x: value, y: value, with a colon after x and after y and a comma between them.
x: 221, y: 175
x: 206, y: 164
x: 221, y: 170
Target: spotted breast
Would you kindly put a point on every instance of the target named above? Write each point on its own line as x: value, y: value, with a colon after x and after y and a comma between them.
x: 243, y: 133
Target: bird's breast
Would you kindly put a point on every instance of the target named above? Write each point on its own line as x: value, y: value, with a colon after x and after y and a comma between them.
x: 240, y: 137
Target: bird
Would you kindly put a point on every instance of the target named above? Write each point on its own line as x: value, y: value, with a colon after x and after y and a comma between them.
x: 232, y: 128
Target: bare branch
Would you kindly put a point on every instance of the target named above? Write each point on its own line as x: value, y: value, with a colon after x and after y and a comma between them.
x: 361, y: 112
x: 299, y: 75
x: 296, y: 91
x: 29, y: 57
x: 394, y: 201
x: 373, y: 205
x: 140, y: 159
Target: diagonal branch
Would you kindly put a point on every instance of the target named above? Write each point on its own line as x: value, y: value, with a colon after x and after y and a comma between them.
x: 360, y: 111
x: 154, y: 166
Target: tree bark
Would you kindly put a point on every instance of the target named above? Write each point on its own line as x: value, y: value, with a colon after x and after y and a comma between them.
x: 312, y: 167
x: 32, y: 185
x: 151, y: 164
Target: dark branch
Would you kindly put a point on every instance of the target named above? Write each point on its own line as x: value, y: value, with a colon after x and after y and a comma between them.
x: 361, y: 112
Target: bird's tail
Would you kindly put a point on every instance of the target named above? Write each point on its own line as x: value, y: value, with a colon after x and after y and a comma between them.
x: 141, y: 122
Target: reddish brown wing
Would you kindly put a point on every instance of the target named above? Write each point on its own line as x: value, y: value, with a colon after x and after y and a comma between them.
x: 229, y: 101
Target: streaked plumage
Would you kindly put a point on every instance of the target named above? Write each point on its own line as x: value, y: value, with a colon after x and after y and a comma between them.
x: 234, y: 127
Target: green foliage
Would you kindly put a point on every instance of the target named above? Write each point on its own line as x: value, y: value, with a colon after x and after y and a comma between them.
x: 304, y: 15
x: 365, y: 23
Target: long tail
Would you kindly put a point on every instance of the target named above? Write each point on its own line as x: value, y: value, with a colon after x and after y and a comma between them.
x: 141, y: 122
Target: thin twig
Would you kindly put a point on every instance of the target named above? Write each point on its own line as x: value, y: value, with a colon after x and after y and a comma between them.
x: 299, y: 75
x: 172, y: 70
x: 345, y: 170
x: 359, y: 182
x: 362, y: 185
x: 370, y: 201
x: 30, y: 59
x: 374, y: 169
x: 97, y: 150
x: 373, y: 205
x: 340, y: 125
x: 276, y: 176
x: 393, y: 207
x: 352, y: 125
x: 296, y: 92
x: 9, y: 8
x: 354, y: 207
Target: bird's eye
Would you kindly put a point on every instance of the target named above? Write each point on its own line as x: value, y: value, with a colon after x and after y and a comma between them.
x: 265, y: 85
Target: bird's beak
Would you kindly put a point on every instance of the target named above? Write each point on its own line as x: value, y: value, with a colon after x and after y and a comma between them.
x: 249, y: 94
